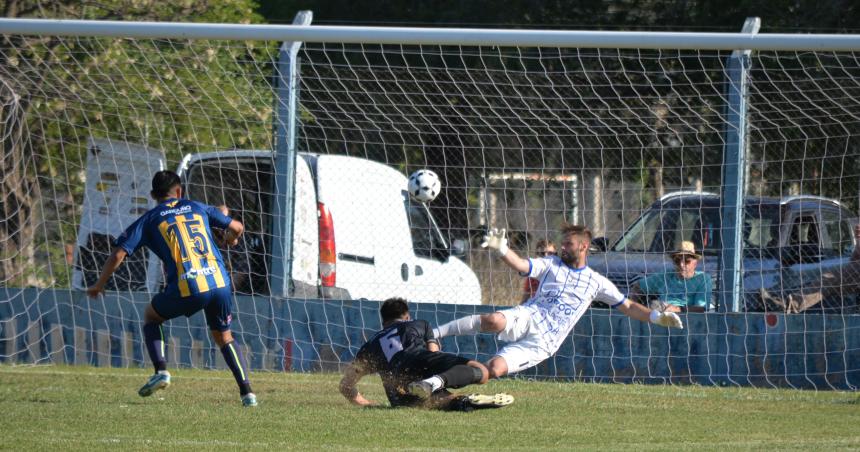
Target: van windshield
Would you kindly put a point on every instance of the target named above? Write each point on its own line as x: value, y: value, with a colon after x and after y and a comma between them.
x: 662, y: 230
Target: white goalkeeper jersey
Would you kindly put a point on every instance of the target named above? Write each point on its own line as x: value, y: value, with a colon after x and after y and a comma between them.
x: 563, y: 296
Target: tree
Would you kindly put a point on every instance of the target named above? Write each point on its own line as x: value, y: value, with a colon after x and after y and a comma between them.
x: 55, y: 91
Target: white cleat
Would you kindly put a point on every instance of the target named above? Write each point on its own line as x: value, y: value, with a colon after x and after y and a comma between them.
x: 490, y: 401
x: 155, y: 383
x: 249, y: 400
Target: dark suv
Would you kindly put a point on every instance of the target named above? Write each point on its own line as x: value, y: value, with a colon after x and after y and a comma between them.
x: 784, y: 240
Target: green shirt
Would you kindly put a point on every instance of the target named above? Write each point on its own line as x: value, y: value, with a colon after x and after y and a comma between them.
x: 695, y: 291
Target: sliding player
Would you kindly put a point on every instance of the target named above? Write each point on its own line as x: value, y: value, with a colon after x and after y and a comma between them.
x: 413, y: 371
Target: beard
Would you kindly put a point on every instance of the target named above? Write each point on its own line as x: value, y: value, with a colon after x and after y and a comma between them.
x: 566, y: 257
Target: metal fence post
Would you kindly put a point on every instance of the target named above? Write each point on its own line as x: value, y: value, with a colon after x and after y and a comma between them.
x: 283, y: 197
x: 734, y: 171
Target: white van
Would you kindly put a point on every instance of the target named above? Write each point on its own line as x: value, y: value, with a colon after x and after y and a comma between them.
x: 356, y: 234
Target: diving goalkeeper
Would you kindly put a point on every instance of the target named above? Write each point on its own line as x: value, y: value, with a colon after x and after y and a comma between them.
x: 536, y: 329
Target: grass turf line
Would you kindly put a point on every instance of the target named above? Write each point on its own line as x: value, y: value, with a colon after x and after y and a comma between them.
x: 86, y: 408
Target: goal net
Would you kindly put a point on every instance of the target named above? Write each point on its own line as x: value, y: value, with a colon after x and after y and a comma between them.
x: 628, y: 142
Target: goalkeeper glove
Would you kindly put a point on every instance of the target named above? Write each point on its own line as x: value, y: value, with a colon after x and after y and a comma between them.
x: 497, y: 241
x: 667, y: 319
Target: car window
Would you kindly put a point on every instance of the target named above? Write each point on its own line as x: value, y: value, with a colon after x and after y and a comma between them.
x: 425, y: 236
x: 698, y: 224
x: 705, y: 232
x: 761, y: 227
x: 804, y: 231
x: 759, y: 232
x: 663, y: 229
x: 685, y: 226
x: 839, y: 232
x: 640, y: 237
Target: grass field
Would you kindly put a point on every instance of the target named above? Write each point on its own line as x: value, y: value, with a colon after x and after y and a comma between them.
x: 85, y: 408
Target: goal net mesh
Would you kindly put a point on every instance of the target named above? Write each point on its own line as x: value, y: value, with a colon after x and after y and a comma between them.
x: 627, y: 142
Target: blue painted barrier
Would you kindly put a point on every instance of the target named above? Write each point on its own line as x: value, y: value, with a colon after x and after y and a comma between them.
x: 765, y: 350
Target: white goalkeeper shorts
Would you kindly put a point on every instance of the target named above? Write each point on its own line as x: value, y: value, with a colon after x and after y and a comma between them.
x: 527, y: 347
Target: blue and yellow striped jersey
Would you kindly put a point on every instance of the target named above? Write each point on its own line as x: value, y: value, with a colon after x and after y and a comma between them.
x: 177, y: 231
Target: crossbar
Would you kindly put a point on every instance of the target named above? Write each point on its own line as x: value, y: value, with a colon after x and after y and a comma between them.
x: 434, y: 36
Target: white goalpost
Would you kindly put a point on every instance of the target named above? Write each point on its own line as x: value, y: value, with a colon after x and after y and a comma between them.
x: 745, y: 144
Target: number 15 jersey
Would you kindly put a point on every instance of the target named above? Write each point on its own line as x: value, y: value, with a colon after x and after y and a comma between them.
x: 177, y: 231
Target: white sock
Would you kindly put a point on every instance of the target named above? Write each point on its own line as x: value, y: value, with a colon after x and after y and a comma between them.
x: 463, y: 326
x: 435, y: 382
x: 163, y: 372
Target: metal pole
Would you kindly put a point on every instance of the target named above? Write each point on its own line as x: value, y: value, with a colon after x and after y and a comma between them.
x: 734, y: 162
x: 283, y: 198
x: 434, y: 36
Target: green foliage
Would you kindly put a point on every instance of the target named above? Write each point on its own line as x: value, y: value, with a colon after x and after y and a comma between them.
x: 676, y: 15
x: 44, y: 406
x: 175, y: 95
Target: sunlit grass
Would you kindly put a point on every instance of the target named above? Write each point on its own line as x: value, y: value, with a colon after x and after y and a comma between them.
x: 77, y: 408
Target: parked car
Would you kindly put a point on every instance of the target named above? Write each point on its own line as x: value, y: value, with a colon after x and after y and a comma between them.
x: 784, y: 240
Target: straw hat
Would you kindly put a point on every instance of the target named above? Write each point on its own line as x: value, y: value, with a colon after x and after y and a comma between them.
x: 687, y: 249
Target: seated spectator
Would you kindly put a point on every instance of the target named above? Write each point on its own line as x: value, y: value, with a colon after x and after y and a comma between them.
x: 544, y: 248
x: 682, y: 290
x: 806, y: 294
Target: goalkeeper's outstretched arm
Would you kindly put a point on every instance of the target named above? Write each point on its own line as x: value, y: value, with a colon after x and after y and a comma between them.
x: 513, y: 260
x: 643, y: 314
x: 349, y: 386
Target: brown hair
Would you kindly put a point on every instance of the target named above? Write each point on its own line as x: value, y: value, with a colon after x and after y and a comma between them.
x: 575, y: 229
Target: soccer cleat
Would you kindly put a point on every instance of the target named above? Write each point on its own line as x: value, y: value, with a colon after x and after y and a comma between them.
x: 156, y: 382
x: 421, y: 389
x: 249, y: 400
x: 489, y: 401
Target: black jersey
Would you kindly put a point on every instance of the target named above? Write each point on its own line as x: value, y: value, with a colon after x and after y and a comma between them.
x: 392, y: 353
x: 384, y: 350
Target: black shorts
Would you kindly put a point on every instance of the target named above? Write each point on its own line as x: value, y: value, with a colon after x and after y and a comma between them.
x: 416, y: 365
x: 424, y: 364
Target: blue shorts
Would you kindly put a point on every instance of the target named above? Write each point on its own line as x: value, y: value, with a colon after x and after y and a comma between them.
x: 216, y: 303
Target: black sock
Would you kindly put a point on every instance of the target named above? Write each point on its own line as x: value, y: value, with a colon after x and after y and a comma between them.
x: 153, y: 337
x: 461, y: 375
x: 237, y: 365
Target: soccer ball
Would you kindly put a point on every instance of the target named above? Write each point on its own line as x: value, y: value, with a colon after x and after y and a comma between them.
x: 424, y: 185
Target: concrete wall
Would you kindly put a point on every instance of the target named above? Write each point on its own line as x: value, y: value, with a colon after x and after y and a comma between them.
x: 768, y: 350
